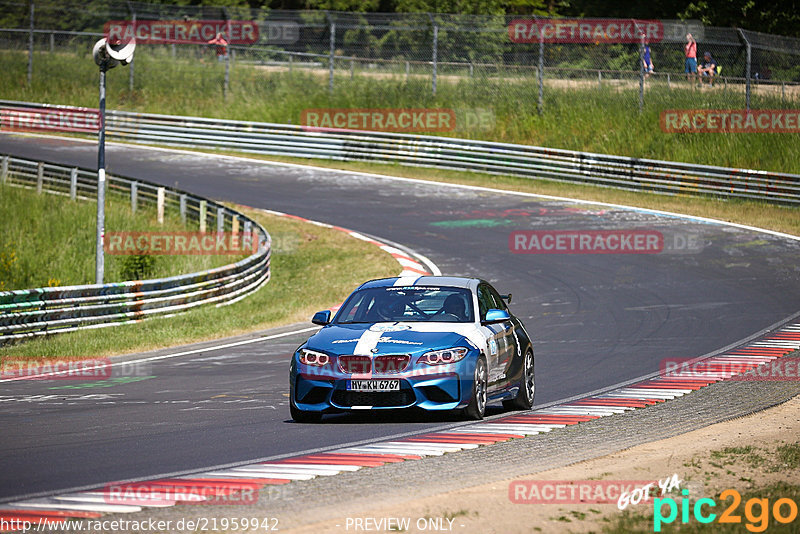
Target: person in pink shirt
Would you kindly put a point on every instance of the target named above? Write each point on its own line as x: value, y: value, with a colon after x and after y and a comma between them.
x: 691, y: 57
x: 222, y: 46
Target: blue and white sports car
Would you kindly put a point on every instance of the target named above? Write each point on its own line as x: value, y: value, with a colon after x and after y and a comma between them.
x: 431, y: 342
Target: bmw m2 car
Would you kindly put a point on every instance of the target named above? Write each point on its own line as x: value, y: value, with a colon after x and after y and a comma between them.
x: 430, y: 342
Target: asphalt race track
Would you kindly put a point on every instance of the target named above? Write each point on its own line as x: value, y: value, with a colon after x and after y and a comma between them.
x: 597, y: 319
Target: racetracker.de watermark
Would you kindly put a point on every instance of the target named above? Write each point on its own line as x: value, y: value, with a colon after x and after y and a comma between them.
x: 586, y: 242
x: 585, y: 31
x: 637, y: 241
x: 55, y: 369
x: 181, y: 31
x: 732, y: 368
x: 405, y: 120
x: 72, y: 369
x: 180, y: 243
x: 162, y: 493
x: 575, y: 491
x: 85, y: 120
x: 730, y: 121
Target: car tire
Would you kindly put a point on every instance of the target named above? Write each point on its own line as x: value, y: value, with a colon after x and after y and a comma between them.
x: 527, y: 387
x: 477, y: 404
x: 303, y: 416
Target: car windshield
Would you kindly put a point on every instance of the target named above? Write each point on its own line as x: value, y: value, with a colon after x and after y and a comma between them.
x: 410, y: 304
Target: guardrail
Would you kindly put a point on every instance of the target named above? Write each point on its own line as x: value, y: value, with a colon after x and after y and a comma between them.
x: 448, y: 153
x: 36, y: 312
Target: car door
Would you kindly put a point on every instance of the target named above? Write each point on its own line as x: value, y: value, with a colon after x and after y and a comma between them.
x: 509, y: 337
x: 501, y: 344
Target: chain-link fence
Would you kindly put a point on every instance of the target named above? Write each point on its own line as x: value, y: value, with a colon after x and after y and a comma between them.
x: 410, y: 59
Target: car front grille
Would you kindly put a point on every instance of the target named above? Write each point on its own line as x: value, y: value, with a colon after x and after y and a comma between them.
x: 392, y: 363
x: 355, y: 364
x: 382, y: 364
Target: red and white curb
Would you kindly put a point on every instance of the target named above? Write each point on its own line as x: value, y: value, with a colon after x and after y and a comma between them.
x: 222, y: 483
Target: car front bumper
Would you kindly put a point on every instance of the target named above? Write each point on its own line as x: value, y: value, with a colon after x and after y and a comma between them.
x: 435, y: 391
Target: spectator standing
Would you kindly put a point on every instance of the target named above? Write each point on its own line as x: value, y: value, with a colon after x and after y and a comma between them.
x: 222, y: 47
x: 647, y: 61
x: 709, y: 68
x: 690, y: 50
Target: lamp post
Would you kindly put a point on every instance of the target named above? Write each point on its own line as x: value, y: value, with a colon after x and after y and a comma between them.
x: 107, y: 56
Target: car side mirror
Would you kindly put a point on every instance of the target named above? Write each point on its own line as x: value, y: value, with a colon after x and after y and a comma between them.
x: 506, y: 298
x: 322, y: 317
x: 496, y: 316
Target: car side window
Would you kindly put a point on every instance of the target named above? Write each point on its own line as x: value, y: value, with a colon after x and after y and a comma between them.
x: 485, y: 300
x: 500, y: 304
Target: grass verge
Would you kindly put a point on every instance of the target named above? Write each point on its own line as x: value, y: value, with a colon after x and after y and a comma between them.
x: 313, y: 268
x: 50, y: 241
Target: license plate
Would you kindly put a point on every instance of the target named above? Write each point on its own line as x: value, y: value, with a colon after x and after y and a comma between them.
x: 373, y: 385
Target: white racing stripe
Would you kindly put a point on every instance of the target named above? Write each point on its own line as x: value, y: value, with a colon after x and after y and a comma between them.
x: 637, y: 396
x: 509, y: 429
x: 439, y: 444
x: 157, y: 493
x: 420, y: 444
x: 482, y: 430
x: 405, y: 280
x: 255, y: 474
x: 343, y: 467
x: 743, y: 358
x: 368, y: 341
x: 444, y: 447
x: 53, y: 504
x: 257, y: 469
x: 90, y: 498
x: 641, y: 394
x: 541, y: 427
x: 602, y: 408
x: 711, y: 375
x: 704, y: 374
x: 659, y: 391
x: 371, y: 449
x: 580, y: 410
x: 310, y: 470
x: 487, y: 431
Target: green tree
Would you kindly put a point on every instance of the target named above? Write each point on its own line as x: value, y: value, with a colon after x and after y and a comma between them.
x: 342, y: 5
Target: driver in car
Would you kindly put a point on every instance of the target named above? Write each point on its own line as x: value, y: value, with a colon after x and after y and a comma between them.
x: 454, y: 305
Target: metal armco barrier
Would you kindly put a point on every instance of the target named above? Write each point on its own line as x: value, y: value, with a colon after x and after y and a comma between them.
x: 458, y: 154
x: 449, y: 153
x: 48, y: 310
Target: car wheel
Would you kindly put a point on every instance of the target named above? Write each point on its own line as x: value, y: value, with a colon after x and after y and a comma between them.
x: 303, y: 416
x: 527, y: 388
x: 477, y: 405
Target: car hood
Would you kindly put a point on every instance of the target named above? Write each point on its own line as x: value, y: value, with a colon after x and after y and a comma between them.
x: 392, y: 338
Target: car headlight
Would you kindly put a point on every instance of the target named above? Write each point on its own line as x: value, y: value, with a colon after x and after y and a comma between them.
x: 312, y: 357
x: 444, y: 356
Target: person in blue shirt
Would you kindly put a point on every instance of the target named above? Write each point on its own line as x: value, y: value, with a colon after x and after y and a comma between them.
x: 709, y: 68
x: 647, y: 62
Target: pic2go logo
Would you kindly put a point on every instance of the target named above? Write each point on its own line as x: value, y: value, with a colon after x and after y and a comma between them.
x: 783, y: 510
